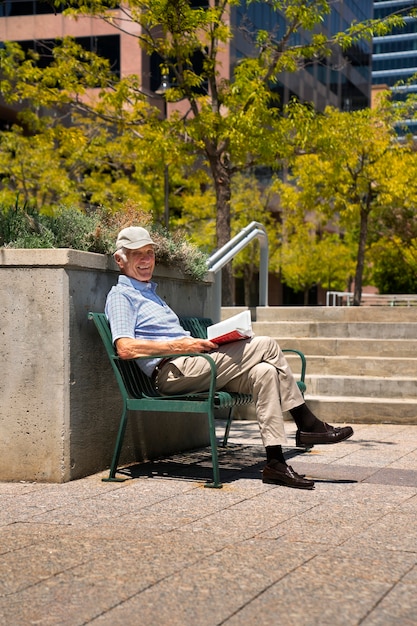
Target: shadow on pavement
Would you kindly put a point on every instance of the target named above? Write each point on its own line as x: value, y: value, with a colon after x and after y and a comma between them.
x: 237, y: 461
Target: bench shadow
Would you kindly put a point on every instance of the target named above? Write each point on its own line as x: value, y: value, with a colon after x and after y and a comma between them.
x: 236, y: 461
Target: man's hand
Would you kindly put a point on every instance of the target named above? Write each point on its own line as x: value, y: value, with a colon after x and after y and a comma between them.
x: 133, y: 348
x: 193, y: 344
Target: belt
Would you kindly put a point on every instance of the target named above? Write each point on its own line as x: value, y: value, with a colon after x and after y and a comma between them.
x: 159, y: 367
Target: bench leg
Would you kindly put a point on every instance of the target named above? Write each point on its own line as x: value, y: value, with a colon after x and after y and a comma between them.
x: 227, y: 431
x: 116, y: 454
x: 216, y: 484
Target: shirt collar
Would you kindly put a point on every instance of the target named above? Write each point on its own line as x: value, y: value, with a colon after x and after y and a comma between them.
x: 137, y: 284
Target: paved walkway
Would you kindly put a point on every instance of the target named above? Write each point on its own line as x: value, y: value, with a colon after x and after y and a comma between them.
x: 159, y: 549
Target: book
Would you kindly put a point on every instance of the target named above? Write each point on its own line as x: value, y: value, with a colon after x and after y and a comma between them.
x: 233, y: 329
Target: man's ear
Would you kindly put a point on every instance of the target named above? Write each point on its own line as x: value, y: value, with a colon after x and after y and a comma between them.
x: 119, y: 260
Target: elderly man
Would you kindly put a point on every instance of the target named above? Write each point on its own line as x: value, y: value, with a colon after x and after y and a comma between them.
x: 142, y: 324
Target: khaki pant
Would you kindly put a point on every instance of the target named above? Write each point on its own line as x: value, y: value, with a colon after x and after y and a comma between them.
x: 256, y: 366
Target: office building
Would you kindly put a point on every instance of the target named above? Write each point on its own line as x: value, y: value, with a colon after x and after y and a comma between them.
x: 394, y: 56
x: 343, y: 82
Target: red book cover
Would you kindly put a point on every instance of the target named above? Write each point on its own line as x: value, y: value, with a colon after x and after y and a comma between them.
x: 232, y: 329
x: 234, y: 335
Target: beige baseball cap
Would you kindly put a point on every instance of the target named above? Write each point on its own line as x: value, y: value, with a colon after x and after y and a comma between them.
x: 133, y: 237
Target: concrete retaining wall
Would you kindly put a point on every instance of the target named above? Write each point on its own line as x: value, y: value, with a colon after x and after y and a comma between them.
x: 60, y: 405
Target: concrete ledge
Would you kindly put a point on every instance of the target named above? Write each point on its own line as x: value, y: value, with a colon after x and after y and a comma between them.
x: 57, y: 257
x: 60, y: 405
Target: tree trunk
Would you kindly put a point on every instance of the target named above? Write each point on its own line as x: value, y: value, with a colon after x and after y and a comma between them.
x: 360, y: 259
x: 222, y: 182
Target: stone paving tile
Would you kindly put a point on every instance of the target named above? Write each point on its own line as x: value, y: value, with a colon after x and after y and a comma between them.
x: 393, y: 476
x: 161, y: 549
x: 357, y: 473
x: 394, y: 531
x: 330, y: 454
x: 70, y: 598
x: 128, y: 498
x: 208, y: 592
x: 107, y: 573
x: 41, y: 561
x: 370, y: 458
x: 26, y: 504
x: 307, y: 599
x: 17, y: 488
x: 330, y: 473
x: 411, y: 577
x: 408, y: 461
x: 397, y: 608
x: 367, y: 562
x: 18, y: 535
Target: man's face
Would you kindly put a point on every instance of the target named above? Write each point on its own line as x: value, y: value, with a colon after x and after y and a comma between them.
x: 139, y: 264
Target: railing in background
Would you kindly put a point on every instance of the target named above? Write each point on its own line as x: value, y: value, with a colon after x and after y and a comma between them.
x: 221, y: 257
x: 345, y: 298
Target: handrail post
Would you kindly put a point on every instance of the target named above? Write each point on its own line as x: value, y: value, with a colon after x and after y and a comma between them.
x: 263, y: 276
x: 225, y: 254
x: 217, y: 304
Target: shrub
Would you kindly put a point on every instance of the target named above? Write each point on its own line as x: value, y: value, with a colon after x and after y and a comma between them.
x: 94, y: 231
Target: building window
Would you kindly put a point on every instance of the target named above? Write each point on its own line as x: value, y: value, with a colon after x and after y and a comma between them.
x: 197, y: 66
x: 11, y: 8
x: 106, y: 46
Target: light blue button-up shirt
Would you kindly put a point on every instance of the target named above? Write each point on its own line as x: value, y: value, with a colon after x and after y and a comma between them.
x: 135, y: 310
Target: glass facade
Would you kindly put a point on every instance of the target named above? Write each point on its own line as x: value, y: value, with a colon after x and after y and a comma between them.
x: 343, y: 80
x: 394, y: 57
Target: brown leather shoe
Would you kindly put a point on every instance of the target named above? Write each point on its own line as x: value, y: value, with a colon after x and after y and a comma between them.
x: 331, y: 435
x: 276, y: 473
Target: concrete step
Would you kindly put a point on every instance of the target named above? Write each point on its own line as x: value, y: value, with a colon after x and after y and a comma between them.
x: 371, y: 386
x: 361, y: 361
x: 368, y: 330
x: 352, y: 409
x: 325, y: 346
x: 332, y: 314
x: 359, y: 366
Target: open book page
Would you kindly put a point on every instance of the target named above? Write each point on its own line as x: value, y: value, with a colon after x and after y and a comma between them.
x: 234, y: 328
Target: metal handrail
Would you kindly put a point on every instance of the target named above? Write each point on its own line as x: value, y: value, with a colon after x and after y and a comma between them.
x: 221, y: 257
x: 333, y: 298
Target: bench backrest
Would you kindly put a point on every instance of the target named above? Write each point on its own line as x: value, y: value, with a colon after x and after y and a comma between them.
x: 197, y: 326
x: 130, y: 378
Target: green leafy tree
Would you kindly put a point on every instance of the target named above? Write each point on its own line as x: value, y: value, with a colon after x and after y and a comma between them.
x: 351, y: 173
x: 66, y: 149
x: 310, y: 258
x: 230, y: 121
x: 394, y: 265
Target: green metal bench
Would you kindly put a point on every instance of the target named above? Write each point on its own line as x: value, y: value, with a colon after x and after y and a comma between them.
x: 139, y: 393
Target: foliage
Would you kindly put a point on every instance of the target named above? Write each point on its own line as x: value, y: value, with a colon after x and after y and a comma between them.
x: 395, y: 265
x: 175, y: 251
x: 351, y: 177
x: 308, y: 259
x: 251, y: 202
x: 225, y: 124
x: 96, y: 231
